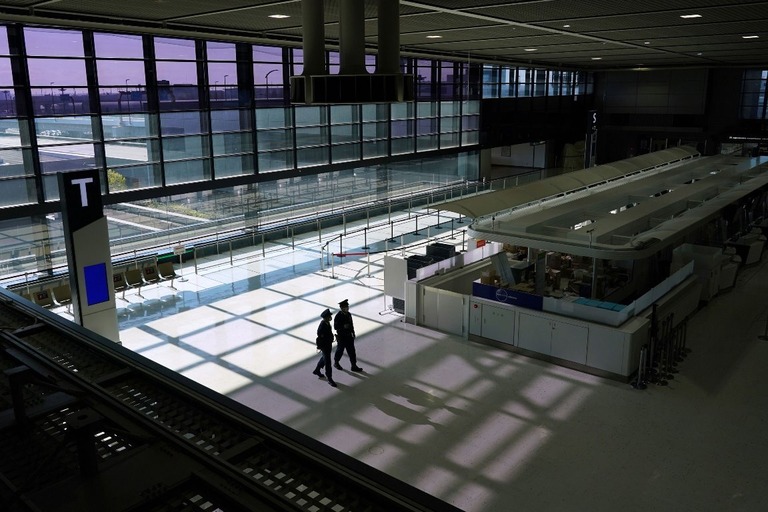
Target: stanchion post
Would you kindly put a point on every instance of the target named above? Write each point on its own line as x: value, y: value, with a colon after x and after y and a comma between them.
x: 639, y: 382
x: 764, y: 336
x: 181, y: 266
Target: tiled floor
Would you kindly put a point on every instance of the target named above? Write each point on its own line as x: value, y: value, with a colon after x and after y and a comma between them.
x: 479, y: 427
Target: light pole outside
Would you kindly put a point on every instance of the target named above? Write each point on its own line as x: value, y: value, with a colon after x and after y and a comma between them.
x: 266, y: 77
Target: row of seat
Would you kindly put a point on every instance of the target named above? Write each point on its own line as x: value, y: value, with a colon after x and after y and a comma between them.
x: 51, y: 297
x: 136, y: 278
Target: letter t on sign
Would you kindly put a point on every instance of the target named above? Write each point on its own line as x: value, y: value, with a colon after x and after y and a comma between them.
x: 83, y: 192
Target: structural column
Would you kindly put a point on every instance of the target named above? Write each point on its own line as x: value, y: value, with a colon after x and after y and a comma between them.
x: 313, y: 42
x: 352, y: 37
x: 389, y: 37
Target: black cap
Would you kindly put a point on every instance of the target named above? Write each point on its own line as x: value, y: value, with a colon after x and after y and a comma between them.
x: 344, y: 303
x: 326, y: 313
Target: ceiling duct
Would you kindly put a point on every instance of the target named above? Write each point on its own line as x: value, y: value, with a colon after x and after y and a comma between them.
x: 353, y: 84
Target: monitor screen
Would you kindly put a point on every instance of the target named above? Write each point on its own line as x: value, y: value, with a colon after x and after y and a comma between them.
x: 96, y: 288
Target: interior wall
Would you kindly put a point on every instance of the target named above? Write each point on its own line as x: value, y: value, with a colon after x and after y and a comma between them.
x: 640, y: 108
x: 520, y: 155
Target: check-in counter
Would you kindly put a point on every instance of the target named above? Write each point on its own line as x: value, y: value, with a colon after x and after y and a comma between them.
x: 587, y: 345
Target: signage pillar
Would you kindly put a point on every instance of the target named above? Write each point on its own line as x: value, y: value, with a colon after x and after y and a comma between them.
x: 590, y: 143
x: 87, y: 242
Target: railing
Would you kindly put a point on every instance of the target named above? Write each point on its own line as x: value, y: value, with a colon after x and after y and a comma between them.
x: 44, y: 263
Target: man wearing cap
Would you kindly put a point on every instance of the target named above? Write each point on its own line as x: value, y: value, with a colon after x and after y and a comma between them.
x: 324, y: 345
x: 345, y: 336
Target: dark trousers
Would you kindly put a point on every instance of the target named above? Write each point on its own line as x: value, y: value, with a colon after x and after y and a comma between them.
x: 325, y: 360
x: 347, y: 344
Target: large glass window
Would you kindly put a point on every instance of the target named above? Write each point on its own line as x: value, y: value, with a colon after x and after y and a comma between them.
x: 491, y: 80
x: 56, y: 71
x: 7, y: 92
x: 176, y: 71
x: 149, y: 128
x: 223, y: 81
x: 450, y: 80
x: 53, y: 42
x: 753, y: 94
x: 425, y: 80
x: 120, y: 72
x: 375, y: 130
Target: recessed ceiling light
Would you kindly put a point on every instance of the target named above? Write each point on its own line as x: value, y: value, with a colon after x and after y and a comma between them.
x: 689, y: 16
x: 566, y: 26
x: 647, y: 42
x: 597, y: 58
x: 434, y: 37
x: 279, y: 16
x: 531, y: 49
x: 750, y: 37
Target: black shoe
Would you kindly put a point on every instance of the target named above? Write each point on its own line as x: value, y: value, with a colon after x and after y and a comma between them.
x: 356, y: 369
x: 333, y: 384
x: 318, y: 373
x: 337, y: 366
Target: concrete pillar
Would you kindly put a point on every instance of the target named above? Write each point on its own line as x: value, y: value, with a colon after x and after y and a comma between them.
x: 352, y: 37
x: 389, y: 37
x: 313, y: 42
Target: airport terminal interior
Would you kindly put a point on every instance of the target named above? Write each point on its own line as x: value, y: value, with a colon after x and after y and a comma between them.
x: 530, y: 200
x: 474, y: 425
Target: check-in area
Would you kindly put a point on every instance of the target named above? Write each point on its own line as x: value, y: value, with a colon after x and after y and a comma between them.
x: 578, y: 269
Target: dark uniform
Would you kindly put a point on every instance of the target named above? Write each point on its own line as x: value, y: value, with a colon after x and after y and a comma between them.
x: 345, y: 336
x: 325, y: 344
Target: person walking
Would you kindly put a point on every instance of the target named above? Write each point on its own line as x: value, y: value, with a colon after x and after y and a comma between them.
x: 325, y: 345
x: 345, y: 337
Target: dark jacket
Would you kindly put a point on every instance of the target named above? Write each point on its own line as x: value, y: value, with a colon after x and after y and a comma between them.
x: 324, y: 336
x: 345, y: 328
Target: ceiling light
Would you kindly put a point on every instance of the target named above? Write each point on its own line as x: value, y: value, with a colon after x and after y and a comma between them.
x: 750, y: 37
x: 531, y: 49
x: 689, y: 16
x: 434, y: 37
x: 566, y: 26
x: 597, y: 58
x: 279, y: 16
x: 647, y: 42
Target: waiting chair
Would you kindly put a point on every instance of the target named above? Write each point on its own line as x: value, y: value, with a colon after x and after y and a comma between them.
x: 150, y: 274
x: 63, y: 296
x: 118, y: 281
x: 167, y: 273
x: 133, y: 279
x: 43, y: 298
